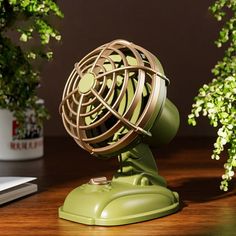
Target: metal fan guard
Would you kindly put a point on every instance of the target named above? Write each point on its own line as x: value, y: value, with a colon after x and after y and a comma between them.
x: 95, y: 89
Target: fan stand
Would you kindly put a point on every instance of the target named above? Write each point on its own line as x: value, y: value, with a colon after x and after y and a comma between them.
x: 136, y: 193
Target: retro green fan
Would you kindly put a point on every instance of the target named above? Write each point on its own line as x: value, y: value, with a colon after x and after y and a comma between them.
x: 114, y: 105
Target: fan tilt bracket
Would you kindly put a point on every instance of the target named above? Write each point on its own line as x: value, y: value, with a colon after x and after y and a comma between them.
x: 138, y: 167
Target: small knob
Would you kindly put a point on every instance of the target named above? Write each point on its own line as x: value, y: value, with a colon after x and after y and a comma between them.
x: 99, y: 181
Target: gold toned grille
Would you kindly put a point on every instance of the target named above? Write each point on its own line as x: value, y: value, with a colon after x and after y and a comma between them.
x: 111, y: 96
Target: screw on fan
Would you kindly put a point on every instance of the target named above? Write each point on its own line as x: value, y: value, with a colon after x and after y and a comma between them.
x: 110, y: 97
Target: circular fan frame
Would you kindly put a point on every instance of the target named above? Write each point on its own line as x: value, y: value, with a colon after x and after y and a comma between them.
x: 103, y: 106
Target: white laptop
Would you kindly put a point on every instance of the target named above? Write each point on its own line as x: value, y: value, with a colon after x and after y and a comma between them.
x: 12, y: 188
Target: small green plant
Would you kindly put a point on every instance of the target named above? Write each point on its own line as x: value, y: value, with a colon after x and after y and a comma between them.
x: 19, y: 75
x: 217, y: 100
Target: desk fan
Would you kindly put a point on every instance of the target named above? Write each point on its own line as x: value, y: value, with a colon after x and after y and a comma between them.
x: 114, y: 105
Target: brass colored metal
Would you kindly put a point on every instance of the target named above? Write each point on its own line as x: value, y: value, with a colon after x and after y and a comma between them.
x: 95, y: 109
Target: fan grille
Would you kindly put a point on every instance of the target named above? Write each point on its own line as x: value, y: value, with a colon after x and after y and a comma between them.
x: 110, y: 97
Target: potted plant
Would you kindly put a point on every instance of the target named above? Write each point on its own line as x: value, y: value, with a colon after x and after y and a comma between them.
x: 217, y: 100
x: 25, y: 33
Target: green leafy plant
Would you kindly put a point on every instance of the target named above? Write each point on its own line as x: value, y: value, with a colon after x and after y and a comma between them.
x: 217, y: 100
x: 29, y: 22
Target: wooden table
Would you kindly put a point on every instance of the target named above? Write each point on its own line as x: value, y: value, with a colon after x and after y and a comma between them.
x: 186, y: 164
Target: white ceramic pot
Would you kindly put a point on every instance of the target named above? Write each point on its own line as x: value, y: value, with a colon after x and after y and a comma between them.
x: 12, y: 148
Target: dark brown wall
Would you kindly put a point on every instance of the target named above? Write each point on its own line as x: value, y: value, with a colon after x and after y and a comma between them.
x: 180, y: 33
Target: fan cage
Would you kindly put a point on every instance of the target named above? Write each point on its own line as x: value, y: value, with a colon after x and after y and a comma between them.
x: 120, y: 104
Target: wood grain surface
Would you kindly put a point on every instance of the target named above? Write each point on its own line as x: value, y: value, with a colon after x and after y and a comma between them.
x: 185, y: 163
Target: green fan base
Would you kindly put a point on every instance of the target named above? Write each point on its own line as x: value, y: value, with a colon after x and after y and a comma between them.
x: 118, y: 203
x: 136, y: 193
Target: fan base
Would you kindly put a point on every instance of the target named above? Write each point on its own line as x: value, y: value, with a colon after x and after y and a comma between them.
x: 118, y: 204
